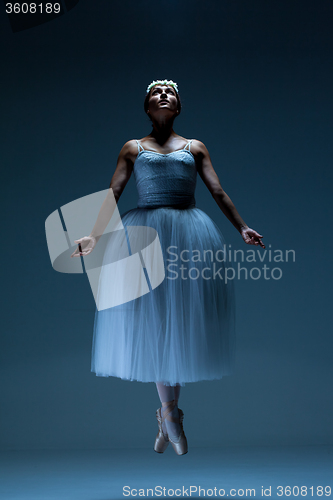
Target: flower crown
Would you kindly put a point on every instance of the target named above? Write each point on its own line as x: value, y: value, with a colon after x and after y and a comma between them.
x: 162, y: 82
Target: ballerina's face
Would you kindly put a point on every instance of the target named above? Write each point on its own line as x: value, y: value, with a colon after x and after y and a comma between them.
x: 163, y: 99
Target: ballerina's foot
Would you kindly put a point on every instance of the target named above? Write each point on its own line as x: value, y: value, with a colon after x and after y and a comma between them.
x: 172, y: 428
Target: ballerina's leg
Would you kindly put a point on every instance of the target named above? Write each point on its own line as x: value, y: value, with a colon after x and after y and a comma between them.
x: 167, y: 394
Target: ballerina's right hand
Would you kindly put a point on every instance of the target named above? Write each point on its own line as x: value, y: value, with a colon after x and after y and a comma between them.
x: 87, y: 244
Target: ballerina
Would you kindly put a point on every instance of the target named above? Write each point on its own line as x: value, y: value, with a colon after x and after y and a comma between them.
x: 183, y: 330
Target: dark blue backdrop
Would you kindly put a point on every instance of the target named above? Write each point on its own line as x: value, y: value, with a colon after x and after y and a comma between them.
x: 255, y: 79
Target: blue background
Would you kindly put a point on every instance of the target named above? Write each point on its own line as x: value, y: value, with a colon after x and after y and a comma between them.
x: 255, y: 79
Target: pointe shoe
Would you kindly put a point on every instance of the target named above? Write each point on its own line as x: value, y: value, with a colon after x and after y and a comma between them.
x: 162, y: 440
x: 179, y: 444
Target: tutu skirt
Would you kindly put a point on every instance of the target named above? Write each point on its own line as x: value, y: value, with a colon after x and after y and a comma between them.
x: 184, y: 329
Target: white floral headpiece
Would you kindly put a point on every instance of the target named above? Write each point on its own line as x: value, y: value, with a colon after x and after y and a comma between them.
x: 162, y: 82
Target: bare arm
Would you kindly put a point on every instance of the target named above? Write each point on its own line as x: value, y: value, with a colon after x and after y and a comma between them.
x: 210, y: 178
x: 123, y: 170
x: 119, y: 180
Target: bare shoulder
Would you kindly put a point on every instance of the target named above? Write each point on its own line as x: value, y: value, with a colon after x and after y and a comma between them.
x: 130, y: 147
x: 198, y: 148
x: 200, y: 153
x: 129, y: 151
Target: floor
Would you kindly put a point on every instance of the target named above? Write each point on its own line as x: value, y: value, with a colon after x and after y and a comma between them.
x: 117, y: 474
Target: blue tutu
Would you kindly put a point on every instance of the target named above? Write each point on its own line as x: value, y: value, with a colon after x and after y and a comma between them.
x: 184, y: 329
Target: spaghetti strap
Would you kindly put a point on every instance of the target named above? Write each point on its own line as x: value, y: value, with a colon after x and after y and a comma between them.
x: 139, y: 146
x: 189, y: 146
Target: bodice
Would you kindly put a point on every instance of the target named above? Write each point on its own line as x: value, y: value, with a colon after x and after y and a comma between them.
x: 165, y: 179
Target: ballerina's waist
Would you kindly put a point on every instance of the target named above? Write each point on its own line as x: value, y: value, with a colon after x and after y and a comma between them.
x: 173, y: 202
x: 182, y: 205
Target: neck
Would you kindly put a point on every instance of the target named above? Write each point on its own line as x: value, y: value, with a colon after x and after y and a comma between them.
x: 162, y: 130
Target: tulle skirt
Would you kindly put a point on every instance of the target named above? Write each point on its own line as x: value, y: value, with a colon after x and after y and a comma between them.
x: 184, y: 329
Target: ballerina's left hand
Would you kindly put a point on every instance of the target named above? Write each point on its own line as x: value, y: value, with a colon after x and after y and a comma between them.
x: 251, y: 237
